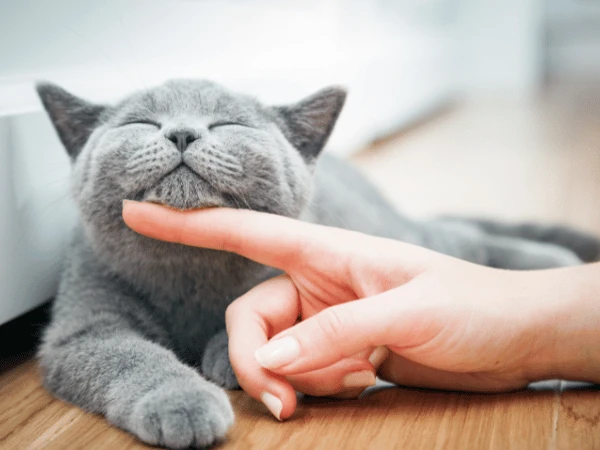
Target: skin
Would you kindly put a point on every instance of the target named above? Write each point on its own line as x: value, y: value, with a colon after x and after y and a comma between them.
x: 448, y: 324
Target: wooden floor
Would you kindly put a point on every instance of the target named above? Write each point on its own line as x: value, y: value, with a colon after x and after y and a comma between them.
x: 537, y: 160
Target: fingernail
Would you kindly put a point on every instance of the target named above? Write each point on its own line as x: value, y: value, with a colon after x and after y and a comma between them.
x: 278, y: 353
x: 378, y: 356
x: 362, y: 378
x: 273, y: 404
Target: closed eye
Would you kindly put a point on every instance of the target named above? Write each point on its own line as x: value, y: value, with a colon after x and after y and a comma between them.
x: 227, y: 124
x: 142, y: 122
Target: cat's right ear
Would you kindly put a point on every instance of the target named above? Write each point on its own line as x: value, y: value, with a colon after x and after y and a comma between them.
x: 73, y: 118
x: 308, y: 124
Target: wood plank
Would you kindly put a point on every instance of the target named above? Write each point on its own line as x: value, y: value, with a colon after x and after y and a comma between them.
x: 385, y: 418
x: 578, y: 424
x: 404, y: 419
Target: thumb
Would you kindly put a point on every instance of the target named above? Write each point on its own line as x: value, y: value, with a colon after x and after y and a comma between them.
x: 341, y: 331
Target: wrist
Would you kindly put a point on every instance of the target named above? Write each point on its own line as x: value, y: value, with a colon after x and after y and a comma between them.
x: 565, y: 323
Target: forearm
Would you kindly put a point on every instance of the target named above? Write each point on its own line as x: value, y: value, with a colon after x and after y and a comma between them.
x: 566, y: 328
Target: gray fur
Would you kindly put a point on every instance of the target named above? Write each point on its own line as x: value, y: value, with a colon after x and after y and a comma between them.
x: 73, y: 118
x: 137, y: 321
x: 584, y: 245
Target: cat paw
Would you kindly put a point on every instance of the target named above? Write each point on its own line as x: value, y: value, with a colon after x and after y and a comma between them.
x: 182, y: 414
x: 215, y: 362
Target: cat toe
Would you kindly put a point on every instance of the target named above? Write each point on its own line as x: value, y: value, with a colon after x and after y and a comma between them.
x: 183, y: 415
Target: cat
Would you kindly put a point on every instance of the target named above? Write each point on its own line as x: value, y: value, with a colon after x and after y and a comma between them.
x: 137, y: 331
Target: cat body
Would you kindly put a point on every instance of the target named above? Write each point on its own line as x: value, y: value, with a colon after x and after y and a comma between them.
x: 137, y: 332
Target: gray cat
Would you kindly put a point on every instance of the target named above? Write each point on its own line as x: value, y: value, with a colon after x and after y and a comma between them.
x: 138, y: 325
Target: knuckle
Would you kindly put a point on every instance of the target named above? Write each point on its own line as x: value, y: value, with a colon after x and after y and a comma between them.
x: 332, y: 324
x: 232, y: 311
x: 231, y: 308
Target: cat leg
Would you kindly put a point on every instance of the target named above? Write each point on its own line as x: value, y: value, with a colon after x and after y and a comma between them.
x: 585, y: 245
x: 215, y: 362
x: 97, y: 356
x: 138, y: 385
x: 467, y: 241
x: 520, y: 254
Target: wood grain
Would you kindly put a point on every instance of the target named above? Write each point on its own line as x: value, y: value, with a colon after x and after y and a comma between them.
x: 538, y: 160
x: 403, y: 419
x: 389, y: 417
x: 578, y: 421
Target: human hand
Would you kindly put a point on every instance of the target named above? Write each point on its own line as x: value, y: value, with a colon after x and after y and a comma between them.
x: 449, y: 324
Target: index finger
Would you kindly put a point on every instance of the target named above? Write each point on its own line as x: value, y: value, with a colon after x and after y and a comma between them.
x: 268, y: 239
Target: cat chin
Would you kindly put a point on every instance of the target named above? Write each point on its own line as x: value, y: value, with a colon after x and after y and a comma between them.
x: 188, y: 207
x: 186, y: 204
x: 182, y: 189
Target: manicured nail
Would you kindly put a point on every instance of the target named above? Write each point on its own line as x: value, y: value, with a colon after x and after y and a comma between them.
x: 362, y: 378
x: 272, y: 403
x: 278, y: 353
x: 378, y: 356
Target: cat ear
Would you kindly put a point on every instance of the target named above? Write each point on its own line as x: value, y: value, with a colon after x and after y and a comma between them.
x: 308, y: 124
x: 74, y: 119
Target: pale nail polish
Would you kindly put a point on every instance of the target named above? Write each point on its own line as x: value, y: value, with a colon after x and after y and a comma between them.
x: 378, y: 356
x: 362, y: 378
x: 277, y: 353
x: 272, y: 403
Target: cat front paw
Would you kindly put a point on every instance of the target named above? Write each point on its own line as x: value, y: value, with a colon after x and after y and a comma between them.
x: 215, y: 362
x: 182, y: 413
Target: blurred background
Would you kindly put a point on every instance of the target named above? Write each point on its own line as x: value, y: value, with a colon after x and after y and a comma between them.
x: 475, y: 107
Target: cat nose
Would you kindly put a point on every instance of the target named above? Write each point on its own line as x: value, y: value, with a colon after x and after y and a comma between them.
x: 181, y: 138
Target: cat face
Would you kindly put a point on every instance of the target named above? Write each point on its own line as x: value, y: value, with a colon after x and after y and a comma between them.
x: 192, y: 144
x: 189, y: 144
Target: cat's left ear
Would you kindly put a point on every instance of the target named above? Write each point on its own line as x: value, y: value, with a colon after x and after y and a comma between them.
x: 73, y: 118
x: 308, y: 123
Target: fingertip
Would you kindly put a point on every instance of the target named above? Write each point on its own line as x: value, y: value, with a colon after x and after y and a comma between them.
x: 273, y: 404
x: 154, y: 221
x: 287, y: 395
x: 347, y: 375
x: 378, y: 355
x: 126, y: 210
x: 131, y: 205
x: 279, y: 397
x: 359, y: 379
x: 133, y: 213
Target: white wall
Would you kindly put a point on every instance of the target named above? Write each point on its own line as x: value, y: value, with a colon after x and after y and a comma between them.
x: 395, y: 66
x: 500, y: 47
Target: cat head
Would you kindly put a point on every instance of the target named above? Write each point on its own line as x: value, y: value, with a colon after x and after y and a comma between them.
x: 186, y: 144
x: 191, y: 144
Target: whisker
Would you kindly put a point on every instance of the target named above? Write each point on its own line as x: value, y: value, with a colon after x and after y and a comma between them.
x: 241, y: 194
x: 234, y: 168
